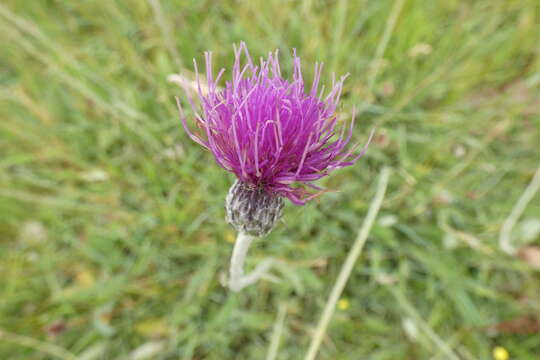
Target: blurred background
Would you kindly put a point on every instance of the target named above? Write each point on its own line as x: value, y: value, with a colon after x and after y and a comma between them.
x: 113, y: 242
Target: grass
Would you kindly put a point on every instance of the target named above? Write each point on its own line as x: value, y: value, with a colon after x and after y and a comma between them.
x: 112, y: 238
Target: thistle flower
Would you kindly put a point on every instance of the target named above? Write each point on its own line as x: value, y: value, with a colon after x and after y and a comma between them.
x: 275, y: 135
x: 272, y: 133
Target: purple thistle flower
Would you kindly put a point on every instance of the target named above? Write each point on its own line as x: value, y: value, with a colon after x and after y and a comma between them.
x: 270, y: 132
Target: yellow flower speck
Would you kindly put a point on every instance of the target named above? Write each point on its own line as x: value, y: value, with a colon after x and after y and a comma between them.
x: 343, y: 304
x: 229, y: 237
x: 500, y: 353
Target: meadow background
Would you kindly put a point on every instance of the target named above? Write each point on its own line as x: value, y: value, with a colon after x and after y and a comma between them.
x: 113, y: 243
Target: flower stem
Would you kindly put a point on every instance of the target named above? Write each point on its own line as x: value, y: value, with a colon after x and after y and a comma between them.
x: 237, y: 279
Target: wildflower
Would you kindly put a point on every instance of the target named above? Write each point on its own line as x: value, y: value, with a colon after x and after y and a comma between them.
x: 272, y: 133
x: 275, y: 136
x: 500, y: 353
x: 343, y: 304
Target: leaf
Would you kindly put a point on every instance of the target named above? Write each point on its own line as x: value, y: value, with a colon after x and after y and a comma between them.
x: 525, y: 324
x: 153, y: 327
x: 56, y: 328
x: 531, y: 255
x: 84, y: 278
x: 93, y: 352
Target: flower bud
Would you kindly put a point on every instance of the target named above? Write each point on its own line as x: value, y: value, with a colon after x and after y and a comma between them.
x: 252, y: 210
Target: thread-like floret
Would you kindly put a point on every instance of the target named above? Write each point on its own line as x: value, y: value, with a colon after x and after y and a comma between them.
x: 272, y: 133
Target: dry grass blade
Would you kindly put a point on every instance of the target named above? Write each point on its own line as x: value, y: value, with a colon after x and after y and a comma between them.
x: 277, y: 333
x: 347, y: 267
x: 508, y: 225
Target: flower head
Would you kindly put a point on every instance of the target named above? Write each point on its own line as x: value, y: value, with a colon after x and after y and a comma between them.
x: 272, y: 133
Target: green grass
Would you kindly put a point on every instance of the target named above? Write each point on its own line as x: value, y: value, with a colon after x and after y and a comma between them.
x: 112, y: 220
